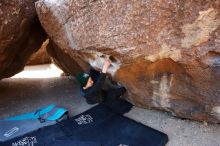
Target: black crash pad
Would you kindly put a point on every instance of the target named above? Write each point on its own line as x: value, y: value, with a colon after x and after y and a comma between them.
x: 99, y: 126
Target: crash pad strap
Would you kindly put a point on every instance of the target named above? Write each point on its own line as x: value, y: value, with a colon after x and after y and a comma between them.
x: 51, y: 112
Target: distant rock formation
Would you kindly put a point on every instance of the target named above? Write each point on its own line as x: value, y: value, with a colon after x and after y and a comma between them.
x: 41, y: 56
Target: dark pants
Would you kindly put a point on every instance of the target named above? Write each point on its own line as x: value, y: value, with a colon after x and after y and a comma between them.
x: 113, y: 94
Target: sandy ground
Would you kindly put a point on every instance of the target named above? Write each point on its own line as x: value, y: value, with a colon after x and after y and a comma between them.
x: 24, y: 95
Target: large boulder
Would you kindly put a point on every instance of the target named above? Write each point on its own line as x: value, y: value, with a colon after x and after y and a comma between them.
x: 20, y: 35
x: 166, y: 53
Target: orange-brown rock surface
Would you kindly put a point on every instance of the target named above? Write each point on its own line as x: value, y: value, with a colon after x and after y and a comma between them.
x: 166, y: 53
x: 20, y: 35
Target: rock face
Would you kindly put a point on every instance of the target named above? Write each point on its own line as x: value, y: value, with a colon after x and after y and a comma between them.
x: 20, y: 35
x: 166, y: 53
x: 66, y: 60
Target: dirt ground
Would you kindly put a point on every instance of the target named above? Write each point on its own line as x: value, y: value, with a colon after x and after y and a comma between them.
x: 18, y: 96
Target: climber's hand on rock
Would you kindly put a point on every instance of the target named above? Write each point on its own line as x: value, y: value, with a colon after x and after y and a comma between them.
x: 106, y: 65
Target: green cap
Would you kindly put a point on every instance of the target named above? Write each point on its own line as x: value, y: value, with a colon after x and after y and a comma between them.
x: 82, y: 78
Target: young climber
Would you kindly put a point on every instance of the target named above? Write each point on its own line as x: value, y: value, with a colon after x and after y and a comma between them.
x: 92, y: 86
